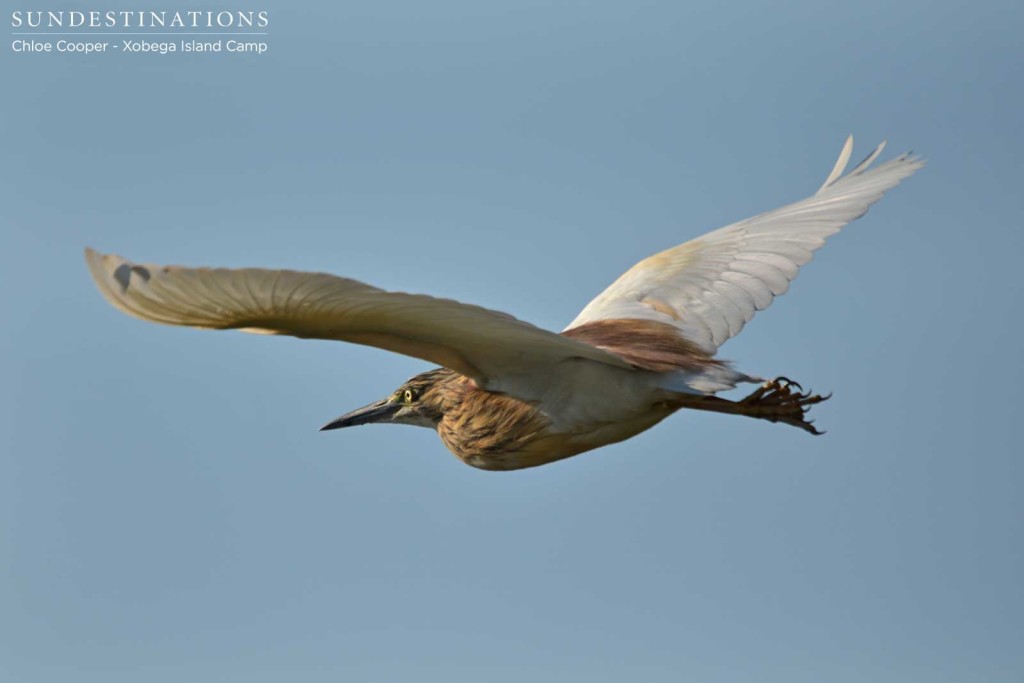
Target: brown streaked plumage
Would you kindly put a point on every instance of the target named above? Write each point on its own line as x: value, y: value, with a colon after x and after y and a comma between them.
x: 510, y: 395
x: 488, y: 430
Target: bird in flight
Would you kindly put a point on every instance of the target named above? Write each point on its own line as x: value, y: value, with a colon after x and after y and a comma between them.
x: 509, y: 395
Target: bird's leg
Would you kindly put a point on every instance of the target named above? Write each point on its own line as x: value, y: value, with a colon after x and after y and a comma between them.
x: 777, y: 400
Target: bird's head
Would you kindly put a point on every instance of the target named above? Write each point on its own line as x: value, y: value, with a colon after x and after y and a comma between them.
x: 419, y: 401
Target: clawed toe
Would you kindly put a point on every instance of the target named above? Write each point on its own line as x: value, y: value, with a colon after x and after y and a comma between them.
x: 783, y: 400
x: 786, y: 382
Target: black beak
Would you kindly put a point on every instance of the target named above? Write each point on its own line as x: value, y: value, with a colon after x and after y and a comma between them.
x: 381, y: 411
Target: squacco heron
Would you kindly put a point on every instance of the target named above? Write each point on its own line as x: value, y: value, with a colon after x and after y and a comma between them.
x: 509, y: 395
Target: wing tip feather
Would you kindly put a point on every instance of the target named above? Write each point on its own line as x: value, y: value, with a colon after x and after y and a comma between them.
x: 911, y: 163
x: 840, y: 165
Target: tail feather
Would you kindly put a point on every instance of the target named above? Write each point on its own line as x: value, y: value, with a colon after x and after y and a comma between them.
x: 708, y: 380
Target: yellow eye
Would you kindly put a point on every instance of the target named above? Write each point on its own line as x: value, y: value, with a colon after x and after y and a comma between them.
x: 408, y: 396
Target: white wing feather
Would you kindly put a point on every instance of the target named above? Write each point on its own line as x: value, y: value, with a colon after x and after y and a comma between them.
x: 494, y: 349
x: 710, y: 287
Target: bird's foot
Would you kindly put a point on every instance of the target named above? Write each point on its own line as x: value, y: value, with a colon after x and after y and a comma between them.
x: 783, y: 400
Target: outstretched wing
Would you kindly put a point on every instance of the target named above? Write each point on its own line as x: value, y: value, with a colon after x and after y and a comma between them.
x: 710, y: 287
x: 487, y: 346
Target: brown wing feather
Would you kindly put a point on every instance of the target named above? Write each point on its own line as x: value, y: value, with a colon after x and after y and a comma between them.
x: 646, y: 344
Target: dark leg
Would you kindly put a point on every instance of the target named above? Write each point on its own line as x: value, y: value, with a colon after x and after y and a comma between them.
x: 775, y: 401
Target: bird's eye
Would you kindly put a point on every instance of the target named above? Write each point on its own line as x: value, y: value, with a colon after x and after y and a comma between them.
x: 408, y: 396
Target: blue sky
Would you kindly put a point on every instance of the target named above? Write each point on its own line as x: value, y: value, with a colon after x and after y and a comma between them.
x: 169, y: 512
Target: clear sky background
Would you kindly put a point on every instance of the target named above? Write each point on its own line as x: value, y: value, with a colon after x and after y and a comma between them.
x: 169, y: 512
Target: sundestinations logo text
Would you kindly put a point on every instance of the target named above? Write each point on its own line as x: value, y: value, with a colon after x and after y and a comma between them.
x: 144, y: 32
x: 238, y: 19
